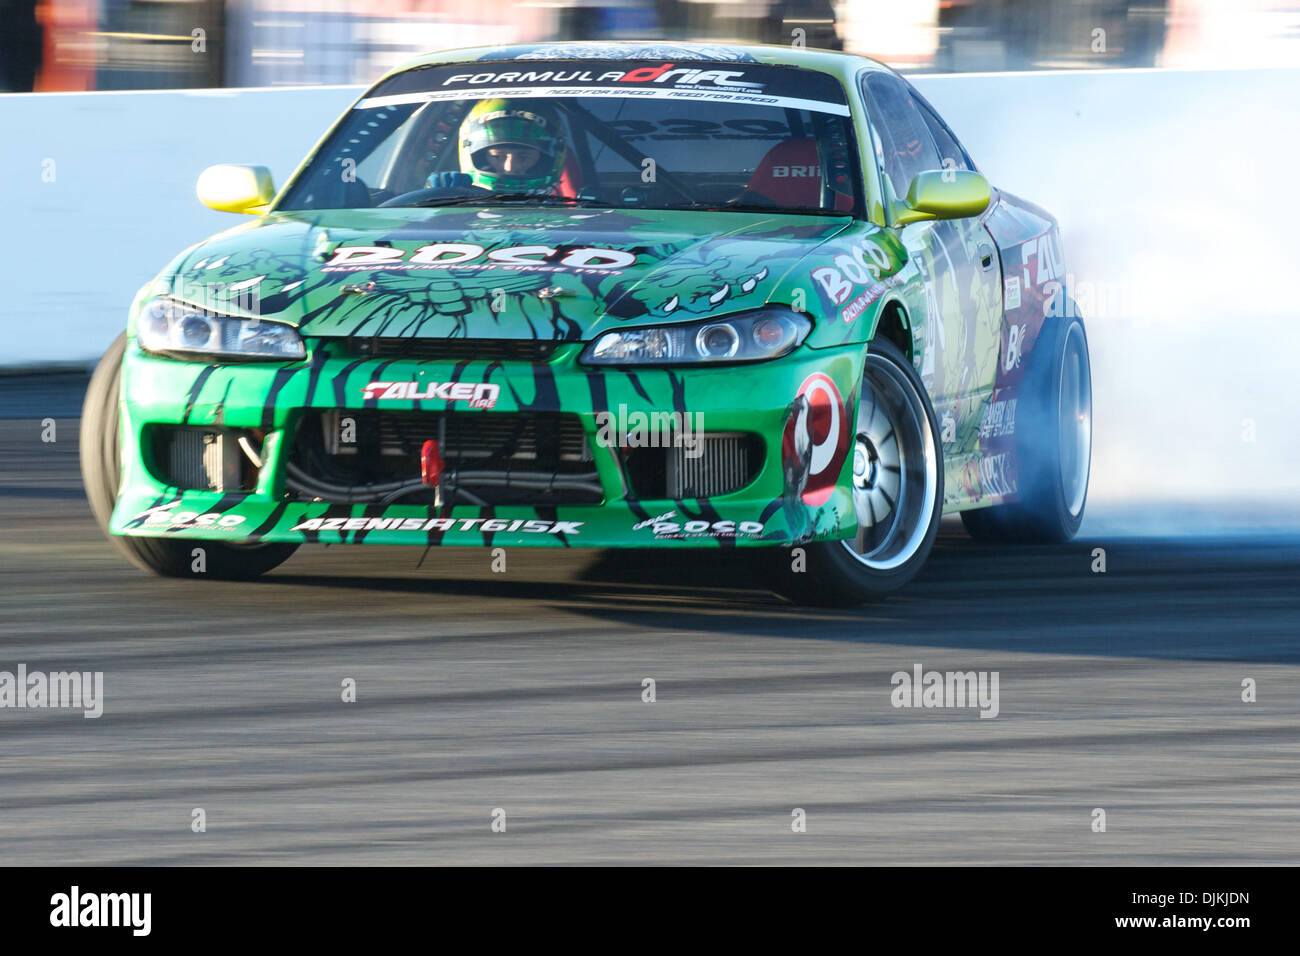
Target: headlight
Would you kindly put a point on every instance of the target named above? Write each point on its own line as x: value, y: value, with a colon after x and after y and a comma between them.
x: 765, y: 333
x: 175, y: 328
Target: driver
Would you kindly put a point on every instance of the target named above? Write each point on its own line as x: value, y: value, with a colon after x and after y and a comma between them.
x: 508, y: 146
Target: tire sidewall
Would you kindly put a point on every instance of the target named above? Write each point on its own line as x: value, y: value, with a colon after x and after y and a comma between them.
x: 98, y: 441
x: 1042, y: 493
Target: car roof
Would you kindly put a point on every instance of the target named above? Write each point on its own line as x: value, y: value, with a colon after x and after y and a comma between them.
x: 842, y: 65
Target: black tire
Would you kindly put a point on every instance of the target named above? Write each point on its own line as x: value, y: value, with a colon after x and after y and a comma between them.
x: 883, y: 557
x: 1049, y: 506
x: 101, y: 474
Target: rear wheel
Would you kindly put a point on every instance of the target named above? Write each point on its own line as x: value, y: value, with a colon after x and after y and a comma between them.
x: 897, y: 492
x: 101, y: 474
x: 1053, y: 444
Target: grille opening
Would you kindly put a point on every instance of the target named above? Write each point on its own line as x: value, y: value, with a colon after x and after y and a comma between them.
x: 508, y: 458
x: 404, y: 347
x: 724, y: 463
x: 198, y: 458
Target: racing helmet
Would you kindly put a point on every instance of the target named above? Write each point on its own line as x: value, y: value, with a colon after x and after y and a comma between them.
x: 492, y: 127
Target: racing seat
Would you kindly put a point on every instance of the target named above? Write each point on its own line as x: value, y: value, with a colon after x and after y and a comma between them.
x: 570, y: 177
x: 791, y: 175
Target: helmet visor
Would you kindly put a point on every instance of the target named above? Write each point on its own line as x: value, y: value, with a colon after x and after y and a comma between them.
x: 513, y: 160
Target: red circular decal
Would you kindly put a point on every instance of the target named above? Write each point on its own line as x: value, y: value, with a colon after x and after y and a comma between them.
x: 828, y: 432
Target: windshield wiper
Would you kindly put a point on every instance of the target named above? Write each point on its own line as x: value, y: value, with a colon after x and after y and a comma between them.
x: 758, y: 207
x: 493, y: 199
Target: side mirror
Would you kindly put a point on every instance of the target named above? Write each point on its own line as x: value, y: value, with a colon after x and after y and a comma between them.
x: 227, y: 188
x: 944, y: 194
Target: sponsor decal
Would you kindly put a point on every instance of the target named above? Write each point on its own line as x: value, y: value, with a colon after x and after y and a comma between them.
x: 727, y: 82
x: 665, y: 74
x: 815, y: 442
x: 656, y: 520
x: 935, y: 340
x: 1011, y: 292
x: 796, y: 172
x: 710, y: 93
x: 164, y: 515
x: 705, y: 529
x: 995, y: 477
x: 472, y: 256
x: 862, y: 265
x: 1040, y: 260
x: 864, y: 299
x: 491, y: 525
x: 1015, y: 339
x: 999, y: 419
x: 475, y: 394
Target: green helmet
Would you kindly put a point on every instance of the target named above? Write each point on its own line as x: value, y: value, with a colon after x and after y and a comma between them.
x: 512, y: 123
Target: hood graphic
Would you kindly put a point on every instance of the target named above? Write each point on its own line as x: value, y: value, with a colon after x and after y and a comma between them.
x: 554, y: 273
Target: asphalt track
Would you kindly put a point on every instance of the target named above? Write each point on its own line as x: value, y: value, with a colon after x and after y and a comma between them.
x: 522, y: 691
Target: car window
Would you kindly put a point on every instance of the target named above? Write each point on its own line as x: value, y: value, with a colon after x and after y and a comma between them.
x: 379, y: 164
x: 907, y: 148
x: 626, y: 134
x: 951, y: 153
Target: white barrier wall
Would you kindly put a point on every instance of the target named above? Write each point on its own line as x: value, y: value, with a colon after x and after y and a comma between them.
x: 97, y: 195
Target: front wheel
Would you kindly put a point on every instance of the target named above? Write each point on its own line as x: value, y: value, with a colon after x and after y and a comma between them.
x: 101, y: 474
x: 897, y: 492
x: 1053, y: 444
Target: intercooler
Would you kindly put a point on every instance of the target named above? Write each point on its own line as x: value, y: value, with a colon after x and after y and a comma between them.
x: 373, y: 455
x: 705, y: 466
x: 718, y: 465
x: 204, y: 459
x: 500, y: 458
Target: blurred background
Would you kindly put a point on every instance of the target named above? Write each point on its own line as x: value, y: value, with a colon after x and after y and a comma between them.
x: 75, y: 45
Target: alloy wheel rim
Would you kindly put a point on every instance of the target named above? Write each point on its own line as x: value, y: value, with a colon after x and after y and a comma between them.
x: 895, y: 469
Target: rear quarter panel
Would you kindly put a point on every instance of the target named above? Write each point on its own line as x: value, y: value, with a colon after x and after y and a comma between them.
x: 1033, y: 276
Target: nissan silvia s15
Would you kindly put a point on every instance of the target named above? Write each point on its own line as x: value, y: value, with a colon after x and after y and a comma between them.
x: 641, y: 295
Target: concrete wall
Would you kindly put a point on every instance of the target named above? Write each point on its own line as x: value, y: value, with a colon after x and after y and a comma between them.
x: 97, y: 195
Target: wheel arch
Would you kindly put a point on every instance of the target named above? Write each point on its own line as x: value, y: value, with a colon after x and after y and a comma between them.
x: 895, y: 325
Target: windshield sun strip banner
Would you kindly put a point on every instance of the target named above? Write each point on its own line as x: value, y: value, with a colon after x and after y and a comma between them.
x: 726, y: 82
x: 782, y: 102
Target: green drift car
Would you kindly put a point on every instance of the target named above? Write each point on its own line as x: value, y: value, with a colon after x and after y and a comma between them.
x: 659, y: 295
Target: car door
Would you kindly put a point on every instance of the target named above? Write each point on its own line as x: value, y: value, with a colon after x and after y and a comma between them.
x: 958, y: 261
x: 983, y: 316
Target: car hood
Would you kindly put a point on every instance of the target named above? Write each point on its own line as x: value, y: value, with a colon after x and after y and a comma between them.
x: 494, y: 272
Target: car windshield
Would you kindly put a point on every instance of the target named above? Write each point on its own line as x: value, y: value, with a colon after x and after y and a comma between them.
x: 643, y: 134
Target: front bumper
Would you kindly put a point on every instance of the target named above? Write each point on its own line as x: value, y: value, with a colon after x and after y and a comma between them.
x: 273, y: 399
